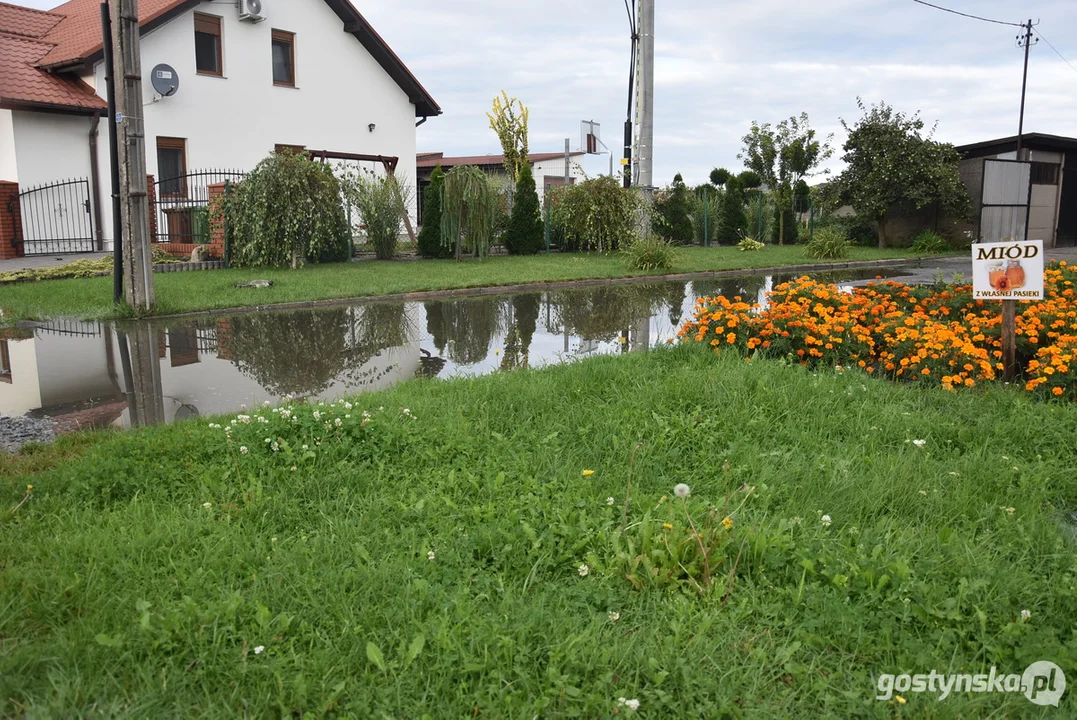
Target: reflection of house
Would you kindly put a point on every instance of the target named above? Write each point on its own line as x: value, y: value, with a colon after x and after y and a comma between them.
x: 548, y: 168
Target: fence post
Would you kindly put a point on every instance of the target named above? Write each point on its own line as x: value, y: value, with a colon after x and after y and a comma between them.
x: 811, y: 220
x: 227, y: 230
x: 548, y: 220
x: 706, y: 220
x: 11, y: 241
x: 351, y: 232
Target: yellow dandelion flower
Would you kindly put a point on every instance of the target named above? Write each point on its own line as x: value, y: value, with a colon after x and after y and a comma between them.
x: 587, y: 473
x: 728, y: 523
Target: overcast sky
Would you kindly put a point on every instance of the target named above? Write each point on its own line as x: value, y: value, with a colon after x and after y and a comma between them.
x: 721, y: 65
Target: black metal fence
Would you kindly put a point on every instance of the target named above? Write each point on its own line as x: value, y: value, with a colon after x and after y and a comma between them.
x: 182, y: 205
x: 57, y: 218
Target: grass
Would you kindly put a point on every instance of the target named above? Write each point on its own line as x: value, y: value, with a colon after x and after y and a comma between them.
x: 91, y: 298
x: 145, y: 569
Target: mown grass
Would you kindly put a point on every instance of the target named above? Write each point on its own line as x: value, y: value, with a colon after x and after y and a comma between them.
x: 121, y: 594
x: 91, y: 298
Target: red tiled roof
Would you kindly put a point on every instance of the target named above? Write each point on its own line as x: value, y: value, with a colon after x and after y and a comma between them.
x: 27, y: 22
x: 429, y: 160
x: 79, y: 36
x: 22, y: 83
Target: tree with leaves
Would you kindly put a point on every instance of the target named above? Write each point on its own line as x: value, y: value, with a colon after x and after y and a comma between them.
x: 429, y: 241
x: 510, y: 125
x: 719, y: 177
x: 469, y: 205
x: 893, y: 166
x: 525, y: 232
x: 784, y: 155
x: 672, y: 214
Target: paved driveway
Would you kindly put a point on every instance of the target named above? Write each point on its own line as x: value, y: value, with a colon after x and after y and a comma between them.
x: 46, y: 261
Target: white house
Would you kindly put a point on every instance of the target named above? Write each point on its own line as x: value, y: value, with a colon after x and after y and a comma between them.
x: 252, y: 76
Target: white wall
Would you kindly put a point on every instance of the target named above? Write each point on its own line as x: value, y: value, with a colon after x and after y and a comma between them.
x: 9, y: 168
x: 556, y: 168
x: 23, y: 393
x: 51, y: 147
x: 234, y: 121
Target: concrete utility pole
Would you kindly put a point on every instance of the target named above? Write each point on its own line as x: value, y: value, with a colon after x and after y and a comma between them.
x: 134, y: 198
x: 568, y: 161
x: 645, y: 117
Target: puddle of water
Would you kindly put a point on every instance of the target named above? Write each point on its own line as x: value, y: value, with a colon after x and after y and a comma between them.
x: 89, y: 375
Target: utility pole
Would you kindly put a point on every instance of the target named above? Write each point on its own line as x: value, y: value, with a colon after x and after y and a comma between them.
x: 1009, y: 307
x: 645, y: 148
x: 113, y: 156
x: 626, y: 162
x: 568, y: 160
x: 134, y: 199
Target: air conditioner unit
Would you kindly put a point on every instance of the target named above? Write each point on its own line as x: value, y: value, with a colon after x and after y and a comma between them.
x: 251, y: 11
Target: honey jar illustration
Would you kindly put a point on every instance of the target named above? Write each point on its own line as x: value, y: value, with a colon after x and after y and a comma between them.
x: 1015, y: 274
x: 996, y: 275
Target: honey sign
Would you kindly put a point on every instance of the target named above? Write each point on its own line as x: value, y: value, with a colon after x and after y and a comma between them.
x: 1010, y: 270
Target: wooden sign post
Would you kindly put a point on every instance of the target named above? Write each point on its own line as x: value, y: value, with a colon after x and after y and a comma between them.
x: 1008, y: 271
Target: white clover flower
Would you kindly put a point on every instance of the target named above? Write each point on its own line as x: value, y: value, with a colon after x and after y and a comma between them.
x: 347, y: 406
x: 681, y: 490
x: 207, y: 505
x: 614, y: 616
x: 610, y: 500
x: 923, y: 492
x: 317, y: 415
x: 919, y: 443
x: 583, y: 570
x: 263, y: 420
x: 285, y: 413
x: 243, y: 407
x: 259, y: 650
x: 275, y: 447
x: 405, y: 411
x: 381, y: 408
x: 632, y: 704
x: 266, y: 404
x: 273, y: 540
x: 245, y: 419
x: 269, y: 440
x: 243, y: 449
x: 294, y: 468
x: 826, y: 520
x: 338, y: 422
x: 430, y: 555
x: 306, y: 447
x: 1025, y: 614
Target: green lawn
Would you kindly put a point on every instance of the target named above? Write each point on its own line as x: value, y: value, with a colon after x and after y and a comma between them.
x: 430, y: 567
x: 91, y: 298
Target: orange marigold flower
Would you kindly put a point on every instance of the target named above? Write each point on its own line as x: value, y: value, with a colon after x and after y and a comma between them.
x: 1057, y: 391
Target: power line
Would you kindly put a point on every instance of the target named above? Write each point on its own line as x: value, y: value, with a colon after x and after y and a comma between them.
x: 974, y: 17
x: 1074, y: 69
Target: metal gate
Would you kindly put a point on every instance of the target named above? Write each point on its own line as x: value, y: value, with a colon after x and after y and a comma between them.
x: 182, y: 205
x: 1005, y: 199
x: 57, y: 218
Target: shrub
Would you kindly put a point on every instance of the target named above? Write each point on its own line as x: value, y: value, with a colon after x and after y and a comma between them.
x: 760, y: 218
x: 382, y: 205
x: 859, y: 229
x: 829, y: 244
x: 705, y: 211
x: 598, y: 214
x: 525, y: 234
x: 651, y: 253
x: 732, y: 224
x: 749, y: 245
x: 429, y: 240
x: 929, y: 242
x: 287, y: 212
x: 469, y: 212
x: 671, y: 218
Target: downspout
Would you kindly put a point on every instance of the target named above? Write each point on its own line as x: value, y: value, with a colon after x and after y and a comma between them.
x: 421, y: 121
x: 95, y: 178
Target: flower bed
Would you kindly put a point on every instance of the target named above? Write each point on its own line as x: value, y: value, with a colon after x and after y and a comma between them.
x: 922, y: 334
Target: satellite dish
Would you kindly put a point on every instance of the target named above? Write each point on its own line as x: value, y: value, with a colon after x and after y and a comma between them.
x: 165, y: 80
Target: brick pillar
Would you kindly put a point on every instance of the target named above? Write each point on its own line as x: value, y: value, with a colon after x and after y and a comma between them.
x: 151, y: 188
x: 216, y: 221
x: 11, y: 245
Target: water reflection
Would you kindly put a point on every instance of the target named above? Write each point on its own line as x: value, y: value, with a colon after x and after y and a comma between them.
x: 129, y: 374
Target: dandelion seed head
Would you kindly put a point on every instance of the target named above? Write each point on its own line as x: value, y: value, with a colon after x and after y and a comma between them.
x: 682, y: 490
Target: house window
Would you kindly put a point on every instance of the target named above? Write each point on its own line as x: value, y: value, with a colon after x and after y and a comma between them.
x: 172, y: 166
x: 207, y: 45
x: 283, y: 58
x: 5, y: 363
x: 293, y: 149
x: 1044, y: 173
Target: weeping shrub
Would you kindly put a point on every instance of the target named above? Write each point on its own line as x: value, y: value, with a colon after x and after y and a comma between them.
x: 468, y: 211
x: 429, y: 240
x: 525, y: 234
x: 287, y: 212
x: 382, y: 205
x: 597, y: 214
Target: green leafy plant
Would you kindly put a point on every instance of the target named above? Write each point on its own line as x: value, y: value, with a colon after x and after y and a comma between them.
x: 429, y: 240
x: 829, y: 243
x: 79, y: 268
x: 672, y: 213
x: 733, y: 223
x: 287, y: 212
x: 525, y: 234
x: 650, y: 253
x: 749, y: 245
x: 468, y: 211
x: 382, y: 204
x: 705, y: 211
x: 929, y: 242
x: 597, y: 214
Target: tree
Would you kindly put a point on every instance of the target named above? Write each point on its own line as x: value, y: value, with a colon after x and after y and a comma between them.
x: 749, y: 180
x: 429, y: 240
x: 732, y: 223
x: 525, y: 231
x: 672, y: 219
x: 783, y: 156
x: 719, y: 177
x: 468, y: 211
x: 892, y: 165
x: 511, y: 129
